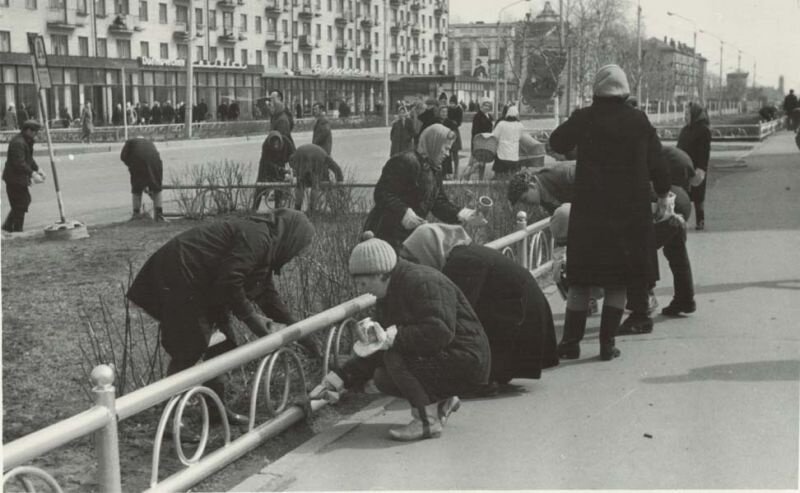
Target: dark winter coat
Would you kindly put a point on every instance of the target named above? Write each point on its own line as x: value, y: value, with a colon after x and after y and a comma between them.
x: 428, y: 118
x: 217, y: 267
x: 233, y: 111
x: 695, y: 140
x: 438, y: 333
x: 610, y: 239
x: 275, y: 152
x: 680, y: 167
x: 22, y: 116
x: 481, y: 123
x: 402, y: 136
x: 145, y: 114
x: 322, y: 135
x: 283, y: 122
x: 456, y: 114
x: 201, y: 111
x: 144, y: 165
x: 156, y: 114
x: 511, y: 307
x: 222, y: 112
x: 312, y: 166
x: 116, y: 116
x: 20, y: 164
x: 407, y: 180
x: 167, y: 114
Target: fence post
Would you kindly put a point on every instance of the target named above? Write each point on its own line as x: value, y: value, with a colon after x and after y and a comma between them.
x: 109, y: 477
x: 522, y: 223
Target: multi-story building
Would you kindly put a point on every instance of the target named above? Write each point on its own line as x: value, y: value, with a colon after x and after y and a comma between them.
x: 314, y: 50
x: 672, y: 71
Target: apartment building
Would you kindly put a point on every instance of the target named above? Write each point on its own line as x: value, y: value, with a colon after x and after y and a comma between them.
x: 240, y: 48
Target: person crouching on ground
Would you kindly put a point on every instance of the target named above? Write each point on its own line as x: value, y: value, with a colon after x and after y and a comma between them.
x: 510, y: 305
x: 410, y: 187
x: 275, y: 152
x: 146, y: 169
x: 611, y: 239
x: 196, y: 279
x: 434, y: 346
x: 311, y: 166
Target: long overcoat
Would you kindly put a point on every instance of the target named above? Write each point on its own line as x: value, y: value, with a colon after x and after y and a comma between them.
x: 144, y: 165
x: 511, y: 307
x: 695, y: 140
x: 407, y: 180
x: 439, y: 335
x: 610, y: 239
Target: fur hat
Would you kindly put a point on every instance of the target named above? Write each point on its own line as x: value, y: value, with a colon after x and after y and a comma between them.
x: 611, y: 81
x: 371, y: 256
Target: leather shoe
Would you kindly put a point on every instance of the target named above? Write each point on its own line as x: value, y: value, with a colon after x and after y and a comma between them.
x: 675, y: 308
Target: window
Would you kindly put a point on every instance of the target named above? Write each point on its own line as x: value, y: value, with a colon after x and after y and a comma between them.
x: 102, y: 47
x: 4, y: 3
x: 258, y: 24
x: 330, y: 33
x: 124, y: 48
x: 350, y: 35
x: 5, y: 42
x: 295, y: 63
x: 285, y: 28
x: 339, y: 62
x: 83, y: 46
x: 285, y: 60
x: 122, y: 7
x: 358, y: 37
x: 183, y: 51
x: 144, y: 48
x: 143, y: 10
x: 483, y: 51
x: 59, y: 44
x: 100, y: 8
x: 259, y: 60
x: 377, y: 40
x: 227, y: 53
x: 244, y: 57
x: 212, y: 19
x: 272, y: 59
x: 330, y: 6
x: 319, y: 60
x: 182, y: 14
x: 30, y: 4
x: 330, y: 61
x: 377, y: 66
x: 227, y: 21
x: 243, y: 23
x: 349, y: 62
x: 162, y: 13
x: 306, y: 28
x: 81, y: 7
x: 306, y: 60
x: 294, y: 28
x: 198, y: 19
x: 164, y: 51
x: 318, y: 32
x: 212, y: 53
x: 199, y: 53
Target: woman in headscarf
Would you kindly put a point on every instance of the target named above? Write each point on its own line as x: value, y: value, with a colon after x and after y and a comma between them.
x: 193, y: 282
x: 695, y: 140
x: 509, y: 303
x: 508, y: 132
x: 275, y: 153
x: 410, y: 187
x: 611, y: 241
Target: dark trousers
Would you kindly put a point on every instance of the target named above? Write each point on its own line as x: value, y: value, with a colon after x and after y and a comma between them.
x: 671, y: 236
x: 19, y: 198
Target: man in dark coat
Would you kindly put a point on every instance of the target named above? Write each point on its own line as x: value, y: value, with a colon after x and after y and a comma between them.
x: 402, y: 133
x: 789, y: 105
x: 202, y: 110
x: 430, y: 115
x: 611, y: 238
x: 311, y: 166
x: 433, y: 349
x: 410, y: 187
x: 481, y: 123
x: 344, y: 109
x: 695, y: 140
x: 233, y: 111
x: 275, y: 152
x: 514, y: 312
x: 146, y: 169
x: 22, y: 115
x: 456, y: 114
x: 156, y: 114
x: 145, y: 113
x: 281, y: 119
x: 192, y: 283
x: 168, y: 113
x: 17, y: 173
x: 322, y: 135
x: 222, y: 111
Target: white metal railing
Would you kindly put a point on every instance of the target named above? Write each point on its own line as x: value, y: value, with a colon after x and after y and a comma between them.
x: 531, y: 245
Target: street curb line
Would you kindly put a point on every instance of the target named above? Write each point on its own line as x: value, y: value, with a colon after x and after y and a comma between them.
x: 282, y: 472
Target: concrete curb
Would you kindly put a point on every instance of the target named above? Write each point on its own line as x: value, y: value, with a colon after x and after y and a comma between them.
x: 279, y: 474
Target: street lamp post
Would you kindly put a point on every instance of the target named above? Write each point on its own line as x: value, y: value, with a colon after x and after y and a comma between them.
x: 721, y: 64
x: 499, y: 61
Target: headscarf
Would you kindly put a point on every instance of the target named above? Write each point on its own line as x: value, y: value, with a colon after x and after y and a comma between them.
x: 697, y: 114
x: 274, y: 147
x: 431, y: 142
x: 291, y: 234
x: 611, y: 81
x: 513, y: 112
x: 431, y: 244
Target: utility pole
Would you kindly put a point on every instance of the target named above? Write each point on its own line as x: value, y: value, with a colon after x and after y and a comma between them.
x: 639, y: 51
x: 189, y: 72
x: 386, y: 99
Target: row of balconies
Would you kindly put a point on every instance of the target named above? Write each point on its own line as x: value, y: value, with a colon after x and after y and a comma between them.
x: 415, y: 54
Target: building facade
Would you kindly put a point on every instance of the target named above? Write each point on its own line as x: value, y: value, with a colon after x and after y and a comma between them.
x: 235, y: 45
x: 672, y: 71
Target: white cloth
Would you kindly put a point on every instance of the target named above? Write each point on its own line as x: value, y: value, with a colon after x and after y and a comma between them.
x: 411, y: 220
x: 508, y: 134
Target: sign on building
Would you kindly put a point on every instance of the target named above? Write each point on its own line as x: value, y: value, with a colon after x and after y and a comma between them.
x: 39, y: 58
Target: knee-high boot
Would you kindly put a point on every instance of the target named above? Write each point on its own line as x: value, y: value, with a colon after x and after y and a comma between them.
x: 574, y: 329
x: 609, y: 323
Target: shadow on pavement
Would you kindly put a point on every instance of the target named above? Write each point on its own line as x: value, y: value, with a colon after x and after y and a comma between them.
x: 376, y: 437
x: 793, y: 284
x: 755, y: 371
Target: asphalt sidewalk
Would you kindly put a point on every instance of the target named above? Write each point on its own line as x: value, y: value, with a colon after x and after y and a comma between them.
x: 707, y: 401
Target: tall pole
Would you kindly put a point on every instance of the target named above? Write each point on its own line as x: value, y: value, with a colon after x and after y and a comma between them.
x: 124, y: 104
x: 190, y: 73
x: 386, y: 100
x: 639, y: 51
x: 721, y: 44
x: 497, y: 72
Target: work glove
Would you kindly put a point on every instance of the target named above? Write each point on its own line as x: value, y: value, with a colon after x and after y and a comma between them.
x: 38, y: 177
x: 471, y: 217
x: 411, y: 220
x: 330, y: 389
x: 697, y: 179
x: 374, y: 338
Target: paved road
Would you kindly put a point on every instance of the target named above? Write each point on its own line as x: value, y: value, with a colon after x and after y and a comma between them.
x: 705, y: 401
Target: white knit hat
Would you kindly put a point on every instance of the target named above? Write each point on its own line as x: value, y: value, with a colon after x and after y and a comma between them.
x: 513, y: 112
x: 611, y: 81
x: 371, y: 256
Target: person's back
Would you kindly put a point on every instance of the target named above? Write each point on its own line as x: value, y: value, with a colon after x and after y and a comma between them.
x: 508, y: 134
x: 311, y: 165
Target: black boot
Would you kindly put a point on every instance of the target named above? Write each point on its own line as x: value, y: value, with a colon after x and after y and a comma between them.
x: 574, y: 328
x: 683, y: 299
x: 609, y: 323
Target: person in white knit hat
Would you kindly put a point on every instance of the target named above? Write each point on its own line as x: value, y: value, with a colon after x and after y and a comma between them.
x: 611, y: 239
x: 432, y: 349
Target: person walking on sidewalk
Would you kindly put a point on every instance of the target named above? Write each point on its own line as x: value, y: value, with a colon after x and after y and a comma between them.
x: 322, y: 135
x: 19, y: 172
x: 508, y: 132
x: 509, y: 303
x: 146, y: 169
x: 695, y: 140
x: 611, y: 240
x: 432, y: 349
x: 402, y: 133
x: 87, y: 123
x: 11, y: 118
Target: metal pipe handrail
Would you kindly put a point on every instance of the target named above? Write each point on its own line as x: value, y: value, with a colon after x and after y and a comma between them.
x: 285, y: 184
x: 516, y: 236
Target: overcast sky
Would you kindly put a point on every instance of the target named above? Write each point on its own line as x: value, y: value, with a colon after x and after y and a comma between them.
x: 767, y: 30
